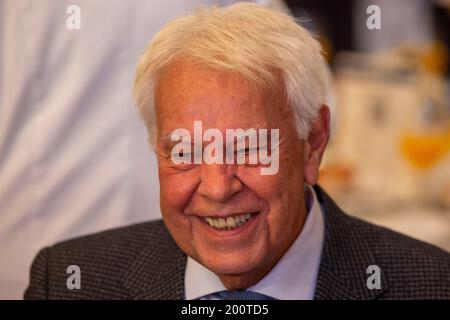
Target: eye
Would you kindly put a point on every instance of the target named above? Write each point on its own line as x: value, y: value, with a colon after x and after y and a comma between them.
x: 245, y: 151
x: 182, y: 154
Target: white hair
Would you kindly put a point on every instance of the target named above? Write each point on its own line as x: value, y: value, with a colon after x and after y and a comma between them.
x: 258, y: 43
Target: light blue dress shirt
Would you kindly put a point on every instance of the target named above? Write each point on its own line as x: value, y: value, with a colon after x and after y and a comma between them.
x: 293, y: 277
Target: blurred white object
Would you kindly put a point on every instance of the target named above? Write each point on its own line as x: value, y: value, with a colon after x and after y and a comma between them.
x: 402, y: 21
x: 73, y: 152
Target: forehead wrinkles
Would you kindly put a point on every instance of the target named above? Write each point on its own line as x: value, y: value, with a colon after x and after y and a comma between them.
x: 209, y: 92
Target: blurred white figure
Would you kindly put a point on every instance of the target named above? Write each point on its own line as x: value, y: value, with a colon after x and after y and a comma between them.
x: 73, y: 152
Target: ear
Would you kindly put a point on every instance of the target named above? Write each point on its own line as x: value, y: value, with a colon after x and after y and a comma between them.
x: 315, y: 145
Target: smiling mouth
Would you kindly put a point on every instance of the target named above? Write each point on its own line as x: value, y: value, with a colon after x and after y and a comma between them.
x: 230, y: 222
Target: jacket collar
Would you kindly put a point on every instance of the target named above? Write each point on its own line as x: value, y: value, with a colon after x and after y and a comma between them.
x: 346, y: 255
x: 158, y: 271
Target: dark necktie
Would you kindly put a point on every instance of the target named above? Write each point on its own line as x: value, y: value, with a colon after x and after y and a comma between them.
x: 242, y: 295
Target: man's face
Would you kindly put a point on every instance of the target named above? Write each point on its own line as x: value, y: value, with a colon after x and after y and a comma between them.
x: 189, y: 193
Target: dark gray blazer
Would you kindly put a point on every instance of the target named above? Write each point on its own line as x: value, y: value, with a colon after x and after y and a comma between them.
x: 143, y: 262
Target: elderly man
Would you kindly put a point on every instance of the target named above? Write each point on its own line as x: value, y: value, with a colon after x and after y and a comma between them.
x: 246, y: 83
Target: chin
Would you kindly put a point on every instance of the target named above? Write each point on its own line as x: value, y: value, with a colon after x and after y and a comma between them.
x: 231, y: 264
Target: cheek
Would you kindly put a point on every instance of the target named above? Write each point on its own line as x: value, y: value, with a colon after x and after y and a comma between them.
x: 266, y: 187
x: 283, y: 192
x: 176, y: 189
x: 290, y: 174
x: 287, y: 181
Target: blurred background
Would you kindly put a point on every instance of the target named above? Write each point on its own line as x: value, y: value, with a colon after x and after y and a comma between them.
x: 73, y: 152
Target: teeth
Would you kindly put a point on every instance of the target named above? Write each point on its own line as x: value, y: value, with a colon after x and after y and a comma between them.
x: 228, y: 223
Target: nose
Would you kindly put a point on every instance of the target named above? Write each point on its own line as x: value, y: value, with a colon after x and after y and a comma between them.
x: 218, y: 182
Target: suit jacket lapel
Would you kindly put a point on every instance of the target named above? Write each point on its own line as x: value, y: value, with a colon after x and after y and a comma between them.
x: 157, y: 273
x: 345, y: 258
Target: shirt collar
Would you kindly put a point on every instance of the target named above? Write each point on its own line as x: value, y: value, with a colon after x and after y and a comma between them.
x: 293, y: 277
